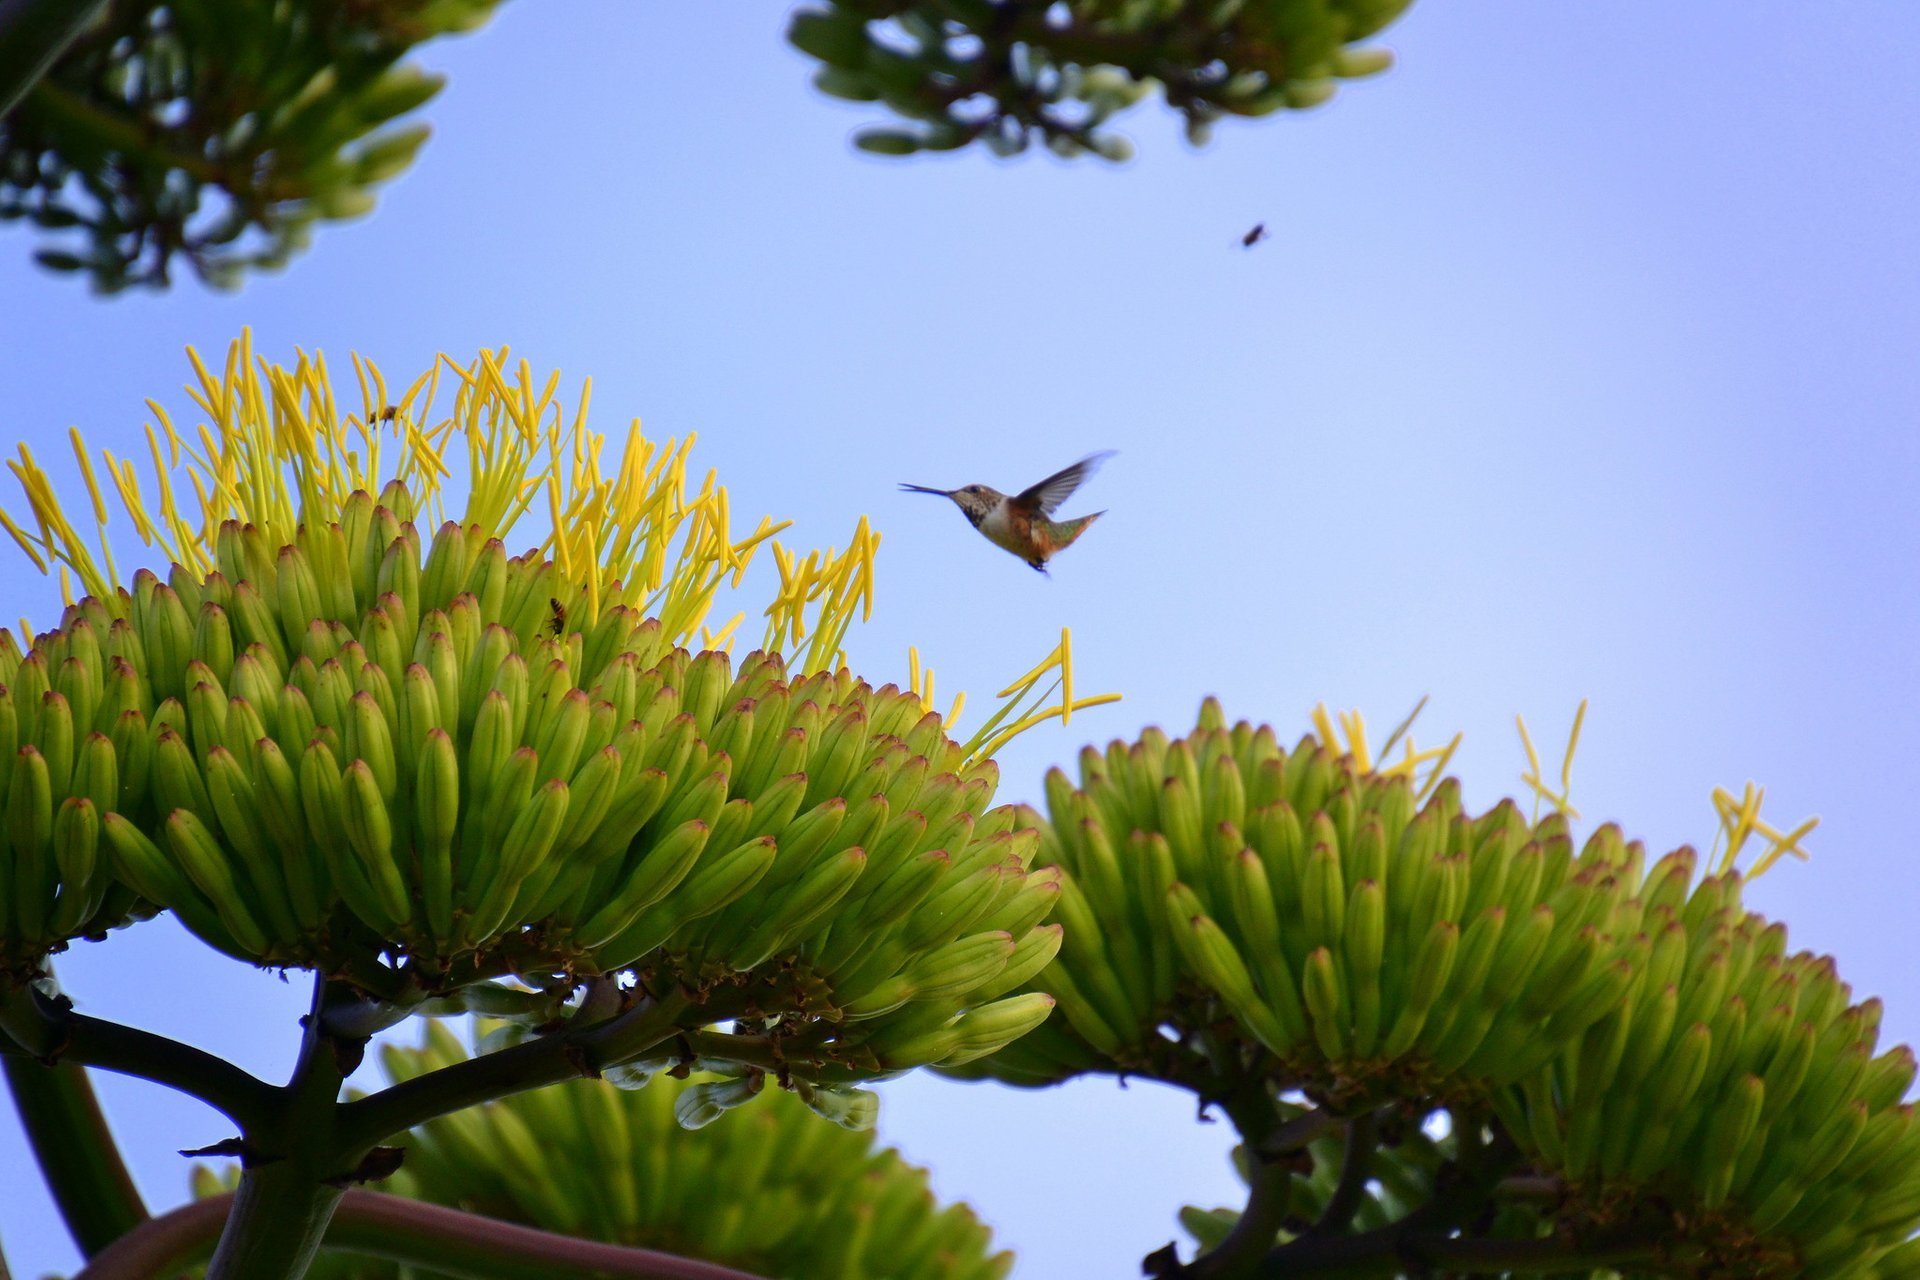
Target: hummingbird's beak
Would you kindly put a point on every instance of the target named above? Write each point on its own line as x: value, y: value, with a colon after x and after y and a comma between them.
x: 920, y: 488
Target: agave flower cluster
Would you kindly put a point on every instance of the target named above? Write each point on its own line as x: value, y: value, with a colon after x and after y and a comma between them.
x: 350, y: 732
x: 338, y: 739
x: 1236, y: 910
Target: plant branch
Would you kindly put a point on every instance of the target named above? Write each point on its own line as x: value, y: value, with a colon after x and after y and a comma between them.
x: 1253, y: 1234
x: 410, y: 1232
x: 1289, y: 1139
x: 1389, y: 1251
x: 76, y: 1151
x: 46, y: 1028
x: 1355, y: 1162
x: 572, y: 1051
x: 1272, y: 1148
x: 1533, y: 1188
x: 1425, y: 1237
x: 293, y: 1171
x: 33, y: 35
x: 772, y: 1055
x: 447, y: 1240
x: 162, y: 1246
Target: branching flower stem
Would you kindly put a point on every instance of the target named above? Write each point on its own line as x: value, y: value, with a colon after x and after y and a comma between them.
x: 300, y: 1146
x: 1388, y: 1253
x: 1424, y: 1239
x: 548, y: 1060
x: 768, y: 1054
x: 46, y: 1028
x: 1421, y: 1243
x: 292, y: 1167
x: 409, y: 1232
x: 1355, y: 1163
x: 298, y: 1161
x: 1272, y: 1150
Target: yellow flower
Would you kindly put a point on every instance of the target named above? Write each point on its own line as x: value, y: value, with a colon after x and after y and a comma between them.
x: 1740, y: 821
x: 276, y: 449
x: 1423, y: 769
x: 1561, y: 800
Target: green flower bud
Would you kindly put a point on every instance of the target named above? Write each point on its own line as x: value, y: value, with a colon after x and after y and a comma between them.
x: 1366, y: 943
x: 1775, y: 1139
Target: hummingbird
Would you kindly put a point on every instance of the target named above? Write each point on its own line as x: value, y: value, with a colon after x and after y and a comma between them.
x: 1023, y: 523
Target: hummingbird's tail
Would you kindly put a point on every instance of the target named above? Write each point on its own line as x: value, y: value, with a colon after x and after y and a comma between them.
x: 1066, y: 531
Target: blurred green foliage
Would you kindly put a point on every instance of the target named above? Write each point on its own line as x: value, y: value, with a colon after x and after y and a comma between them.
x: 217, y: 132
x: 1007, y: 72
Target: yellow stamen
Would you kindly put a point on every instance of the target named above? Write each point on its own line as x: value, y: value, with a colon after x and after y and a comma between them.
x: 1324, y: 730
x: 1560, y: 800
x: 1066, y: 676
x: 20, y: 539
x: 1532, y: 776
x: 1573, y: 742
x: 1783, y: 845
x: 993, y: 745
x: 1032, y: 677
x: 1356, y: 728
x: 273, y: 450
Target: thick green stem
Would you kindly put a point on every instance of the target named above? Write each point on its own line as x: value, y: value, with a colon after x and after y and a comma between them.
x: 280, y: 1215
x: 293, y: 1168
x: 76, y: 1151
x: 33, y: 35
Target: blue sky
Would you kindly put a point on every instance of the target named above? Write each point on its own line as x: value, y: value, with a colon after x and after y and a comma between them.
x: 1580, y: 363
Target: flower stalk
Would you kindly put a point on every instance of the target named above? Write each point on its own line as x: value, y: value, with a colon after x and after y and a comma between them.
x: 292, y: 1166
x: 408, y: 1232
x: 78, y: 1157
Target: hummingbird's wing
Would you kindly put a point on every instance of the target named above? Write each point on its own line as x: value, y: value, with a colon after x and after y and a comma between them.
x: 1047, y: 496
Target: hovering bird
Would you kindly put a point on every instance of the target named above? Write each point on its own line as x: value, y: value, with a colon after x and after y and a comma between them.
x: 1023, y: 523
x: 1254, y: 236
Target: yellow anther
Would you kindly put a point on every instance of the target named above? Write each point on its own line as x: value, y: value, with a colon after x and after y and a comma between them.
x: 1560, y: 800
x: 274, y: 451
